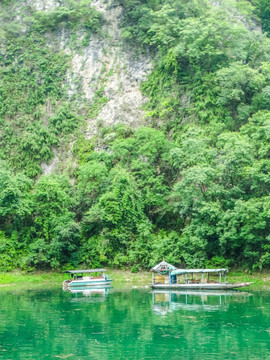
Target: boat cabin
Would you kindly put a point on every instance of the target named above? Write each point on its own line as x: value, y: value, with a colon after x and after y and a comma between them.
x: 198, y: 276
x: 87, y: 274
x: 167, y: 274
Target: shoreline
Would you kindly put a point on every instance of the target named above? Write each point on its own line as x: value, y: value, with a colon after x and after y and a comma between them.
x: 122, y: 279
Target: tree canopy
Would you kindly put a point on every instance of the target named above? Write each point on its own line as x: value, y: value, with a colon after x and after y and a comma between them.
x: 192, y: 186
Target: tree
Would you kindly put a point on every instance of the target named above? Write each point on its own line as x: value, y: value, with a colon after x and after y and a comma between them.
x: 244, y: 232
x: 55, y: 234
x: 15, y: 197
x: 116, y: 217
x: 238, y: 84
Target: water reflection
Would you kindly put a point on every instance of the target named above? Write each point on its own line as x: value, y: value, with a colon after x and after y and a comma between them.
x: 164, y: 302
x: 48, y: 323
x: 89, y: 294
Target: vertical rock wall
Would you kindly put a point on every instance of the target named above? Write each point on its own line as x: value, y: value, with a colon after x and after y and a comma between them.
x: 105, y: 63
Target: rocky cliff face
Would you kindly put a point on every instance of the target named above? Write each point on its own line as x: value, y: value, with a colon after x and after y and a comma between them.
x: 104, y: 63
x: 102, y: 66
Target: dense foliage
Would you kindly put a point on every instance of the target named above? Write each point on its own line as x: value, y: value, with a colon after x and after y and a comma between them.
x: 35, y: 110
x: 263, y: 11
x: 193, y: 188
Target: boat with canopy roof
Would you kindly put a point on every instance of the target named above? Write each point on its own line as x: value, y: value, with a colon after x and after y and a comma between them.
x: 87, y: 278
x: 167, y: 276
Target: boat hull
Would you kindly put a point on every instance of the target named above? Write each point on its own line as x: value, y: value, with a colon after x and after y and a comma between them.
x: 199, y: 286
x: 87, y: 283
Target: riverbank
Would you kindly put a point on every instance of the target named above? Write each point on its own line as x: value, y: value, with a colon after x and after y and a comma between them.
x: 122, y: 279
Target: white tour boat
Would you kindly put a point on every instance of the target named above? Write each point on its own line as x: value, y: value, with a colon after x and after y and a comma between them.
x: 87, y: 278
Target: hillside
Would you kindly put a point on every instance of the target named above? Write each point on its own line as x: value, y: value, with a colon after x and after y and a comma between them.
x: 132, y: 131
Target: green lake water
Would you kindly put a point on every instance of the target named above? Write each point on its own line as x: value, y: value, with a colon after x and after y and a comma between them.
x: 133, y: 324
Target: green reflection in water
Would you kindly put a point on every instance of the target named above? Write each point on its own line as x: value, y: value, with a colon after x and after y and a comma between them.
x: 135, y: 324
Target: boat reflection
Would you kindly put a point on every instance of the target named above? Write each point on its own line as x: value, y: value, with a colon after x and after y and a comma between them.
x: 95, y: 294
x: 168, y: 301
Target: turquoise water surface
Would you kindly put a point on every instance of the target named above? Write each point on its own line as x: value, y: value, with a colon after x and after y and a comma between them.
x: 133, y: 324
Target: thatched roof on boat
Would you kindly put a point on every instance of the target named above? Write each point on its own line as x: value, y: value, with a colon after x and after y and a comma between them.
x: 197, y: 271
x: 163, y: 267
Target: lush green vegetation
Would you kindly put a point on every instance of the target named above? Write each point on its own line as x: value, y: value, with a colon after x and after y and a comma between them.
x: 263, y: 11
x: 193, y: 188
x: 36, y: 113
